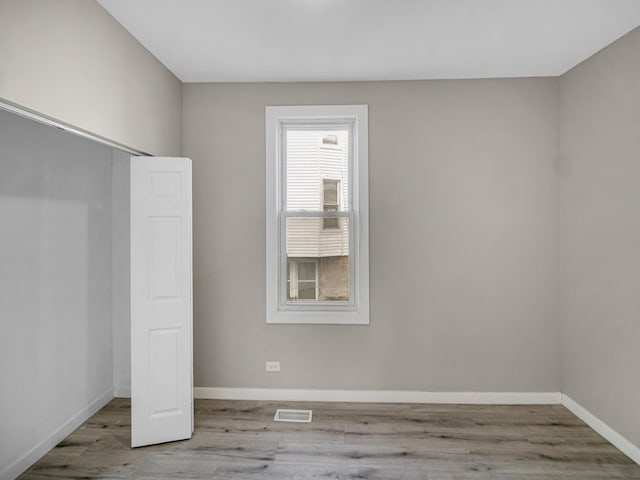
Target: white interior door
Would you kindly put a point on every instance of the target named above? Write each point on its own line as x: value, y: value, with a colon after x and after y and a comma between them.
x: 161, y: 300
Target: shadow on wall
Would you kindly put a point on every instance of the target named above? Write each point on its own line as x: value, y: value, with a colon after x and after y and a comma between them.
x: 55, y: 280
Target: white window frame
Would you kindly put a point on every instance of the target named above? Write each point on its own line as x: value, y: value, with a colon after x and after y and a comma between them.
x: 356, y: 310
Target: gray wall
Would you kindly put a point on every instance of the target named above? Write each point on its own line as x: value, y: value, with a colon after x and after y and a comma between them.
x: 463, y: 200
x: 69, y: 59
x: 600, y: 194
x: 55, y: 281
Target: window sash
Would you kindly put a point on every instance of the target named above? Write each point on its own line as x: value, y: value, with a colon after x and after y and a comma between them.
x: 337, y: 305
x: 298, y: 125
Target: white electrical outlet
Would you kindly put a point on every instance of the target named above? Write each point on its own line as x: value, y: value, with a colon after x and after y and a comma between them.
x: 272, y: 366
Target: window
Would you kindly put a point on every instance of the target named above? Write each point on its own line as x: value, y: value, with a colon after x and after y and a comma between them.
x: 317, y: 214
x: 302, y: 279
x: 329, y: 140
x: 330, y: 202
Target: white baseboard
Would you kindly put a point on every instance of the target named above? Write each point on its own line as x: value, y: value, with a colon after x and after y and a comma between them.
x: 122, y: 391
x: 392, y: 396
x: 625, y: 446
x: 33, y: 455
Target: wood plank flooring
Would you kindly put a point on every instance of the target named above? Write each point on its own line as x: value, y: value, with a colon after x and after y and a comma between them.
x: 238, y: 440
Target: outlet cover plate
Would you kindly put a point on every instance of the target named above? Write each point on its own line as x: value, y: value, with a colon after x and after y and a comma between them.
x: 272, y: 366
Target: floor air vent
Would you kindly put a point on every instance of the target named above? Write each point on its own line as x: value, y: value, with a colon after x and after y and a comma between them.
x: 298, y: 416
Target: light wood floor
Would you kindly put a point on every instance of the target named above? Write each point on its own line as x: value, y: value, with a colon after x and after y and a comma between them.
x: 238, y: 440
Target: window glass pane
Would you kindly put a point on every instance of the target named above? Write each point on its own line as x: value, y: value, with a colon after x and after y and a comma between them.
x: 311, y: 157
x: 314, y: 252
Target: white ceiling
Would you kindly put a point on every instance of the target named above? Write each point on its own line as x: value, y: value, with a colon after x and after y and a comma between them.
x: 329, y: 40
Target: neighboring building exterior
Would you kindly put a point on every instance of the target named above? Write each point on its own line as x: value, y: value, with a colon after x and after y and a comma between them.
x: 317, y: 248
